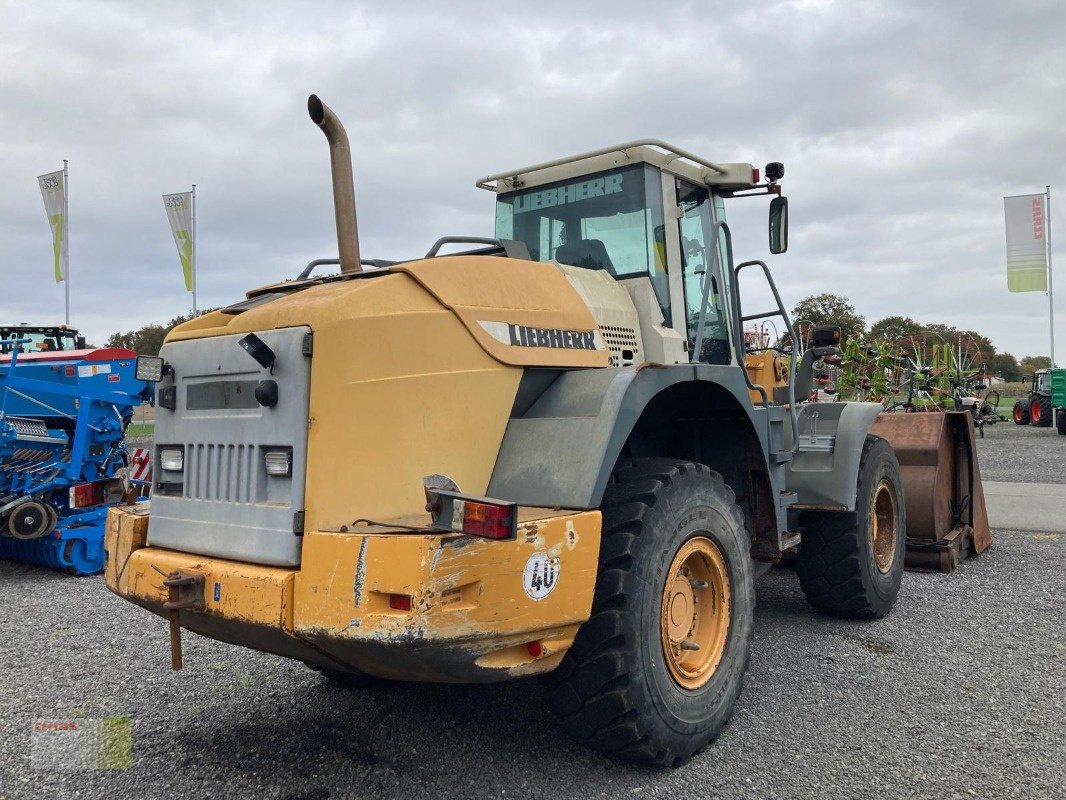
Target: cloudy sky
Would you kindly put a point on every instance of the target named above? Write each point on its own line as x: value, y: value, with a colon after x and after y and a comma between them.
x: 901, y: 126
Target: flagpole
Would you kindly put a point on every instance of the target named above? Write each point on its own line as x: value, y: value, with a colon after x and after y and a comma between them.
x: 66, y: 241
x: 1050, y: 286
x: 194, y: 249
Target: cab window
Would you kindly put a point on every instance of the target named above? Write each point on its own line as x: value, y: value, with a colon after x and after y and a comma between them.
x: 699, y: 266
x: 610, y: 220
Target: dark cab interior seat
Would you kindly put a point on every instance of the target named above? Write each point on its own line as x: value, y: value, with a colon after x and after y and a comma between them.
x: 588, y: 253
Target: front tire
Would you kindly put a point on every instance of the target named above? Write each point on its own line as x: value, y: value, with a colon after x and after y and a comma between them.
x: 654, y: 674
x: 851, y: 564
x: 1021, y: 412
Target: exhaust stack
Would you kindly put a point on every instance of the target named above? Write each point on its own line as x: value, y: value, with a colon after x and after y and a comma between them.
x: 340, y: 158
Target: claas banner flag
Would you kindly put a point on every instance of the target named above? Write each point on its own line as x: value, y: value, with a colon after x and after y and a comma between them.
x: 179, y: 212
x: 1026, y: 243
x: 54, y: 189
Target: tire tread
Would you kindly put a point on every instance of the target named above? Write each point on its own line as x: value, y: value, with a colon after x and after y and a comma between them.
x: 603, y: 713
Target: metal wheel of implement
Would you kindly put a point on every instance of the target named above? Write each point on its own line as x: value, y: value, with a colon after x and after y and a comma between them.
x: 695, y: 612
x: 884, y: 528
x: 28, y: 521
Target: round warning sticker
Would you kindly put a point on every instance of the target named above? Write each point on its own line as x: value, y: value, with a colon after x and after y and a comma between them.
x: 540, y: 575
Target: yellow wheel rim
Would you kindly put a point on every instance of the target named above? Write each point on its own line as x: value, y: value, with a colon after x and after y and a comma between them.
x: 694, y: 624
x: 884, y: 526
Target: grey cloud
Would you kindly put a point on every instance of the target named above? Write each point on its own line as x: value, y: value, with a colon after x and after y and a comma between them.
x: 901, y: 125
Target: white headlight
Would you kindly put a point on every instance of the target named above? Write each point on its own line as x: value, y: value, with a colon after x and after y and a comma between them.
x: 279, y: 462
x: 172, y: 459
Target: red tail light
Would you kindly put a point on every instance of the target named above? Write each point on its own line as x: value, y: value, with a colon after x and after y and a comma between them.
x: 488, y: 521
x: 86, y: 494
x: 400, y: 602
x: 477, y: 516
x: 754, y: 174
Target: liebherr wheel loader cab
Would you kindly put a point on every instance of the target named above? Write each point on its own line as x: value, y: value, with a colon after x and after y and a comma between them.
x: 537, y: 456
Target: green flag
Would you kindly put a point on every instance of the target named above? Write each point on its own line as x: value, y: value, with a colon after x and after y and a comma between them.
x: 54, y: 190
x: 179, y: 212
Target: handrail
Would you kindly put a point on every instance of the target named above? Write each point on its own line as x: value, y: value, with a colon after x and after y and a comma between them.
x: 511, y: 248
x: 318, y: 262
x: 741, y: 319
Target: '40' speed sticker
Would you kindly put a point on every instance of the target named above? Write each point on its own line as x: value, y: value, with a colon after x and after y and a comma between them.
x: 540, y: 575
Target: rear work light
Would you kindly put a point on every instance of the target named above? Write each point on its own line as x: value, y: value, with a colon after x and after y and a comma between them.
x: 85, y: 495
x: 279, y: 462
x: 476, y: 516
x: 172, y: 459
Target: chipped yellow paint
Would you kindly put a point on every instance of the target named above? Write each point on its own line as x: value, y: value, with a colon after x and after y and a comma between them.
x: 469, y: 609
x: 350, y: 576
x: 248, y: 593
x: 126, y: 530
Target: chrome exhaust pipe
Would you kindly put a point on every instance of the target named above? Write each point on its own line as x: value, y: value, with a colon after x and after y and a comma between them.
x: 340, y: 158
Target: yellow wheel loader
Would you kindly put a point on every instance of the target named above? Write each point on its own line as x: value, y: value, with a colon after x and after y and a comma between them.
x: 538, y: 455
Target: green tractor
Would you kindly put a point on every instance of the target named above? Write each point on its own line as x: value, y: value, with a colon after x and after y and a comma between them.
x: 1047, y: 393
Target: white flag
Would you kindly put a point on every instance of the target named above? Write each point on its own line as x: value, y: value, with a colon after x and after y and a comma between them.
x: 54, y: 189
x: 179, y: 212
x: 1026, y: 244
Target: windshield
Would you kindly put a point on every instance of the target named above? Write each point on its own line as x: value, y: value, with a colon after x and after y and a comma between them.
x: 42, y: 340
x: 610, y: 220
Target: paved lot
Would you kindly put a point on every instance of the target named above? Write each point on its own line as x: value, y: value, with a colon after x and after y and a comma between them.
x: 960, y: 692
x: 1019, y: 454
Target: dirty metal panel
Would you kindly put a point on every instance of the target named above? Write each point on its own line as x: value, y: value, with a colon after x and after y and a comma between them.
x: 945, y: 503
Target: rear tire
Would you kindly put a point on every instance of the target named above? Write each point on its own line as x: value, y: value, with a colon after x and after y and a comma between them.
x: 1021, y: 412
x: 1040, y: 410
x: 1060, y: 421
x: 851, y: 564
x: 674, y: 572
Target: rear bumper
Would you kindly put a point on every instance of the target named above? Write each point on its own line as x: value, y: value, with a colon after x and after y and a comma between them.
x: 472, y: 615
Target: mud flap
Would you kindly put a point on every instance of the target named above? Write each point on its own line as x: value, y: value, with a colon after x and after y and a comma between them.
x: 946, y: 515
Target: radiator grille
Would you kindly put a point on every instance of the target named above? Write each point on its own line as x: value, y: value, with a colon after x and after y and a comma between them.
x: 222, y: 472
x: 619, y: 338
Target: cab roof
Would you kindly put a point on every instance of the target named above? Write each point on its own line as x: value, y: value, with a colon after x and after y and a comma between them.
x: 651, y: 151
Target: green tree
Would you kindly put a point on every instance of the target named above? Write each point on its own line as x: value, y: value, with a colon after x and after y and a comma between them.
x: 978, y: 344
x: 895, y: 330
x: 830, y: 309
x: 147, y: 340
x: 1031, y: 364
x: 1005, y: 366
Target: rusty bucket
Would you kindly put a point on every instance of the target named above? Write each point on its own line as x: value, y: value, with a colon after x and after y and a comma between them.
x: 946, y: 515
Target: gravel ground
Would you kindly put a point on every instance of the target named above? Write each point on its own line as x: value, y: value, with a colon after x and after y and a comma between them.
x: 960, y: 692
x: 1019, y: 454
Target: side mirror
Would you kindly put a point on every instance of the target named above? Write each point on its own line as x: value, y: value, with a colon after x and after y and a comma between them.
x: 825, y: 336
x: 778, y: 225
x: 80, y: 343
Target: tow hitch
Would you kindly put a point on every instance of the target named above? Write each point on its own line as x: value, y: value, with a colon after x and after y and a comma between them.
x: 186, y: 591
